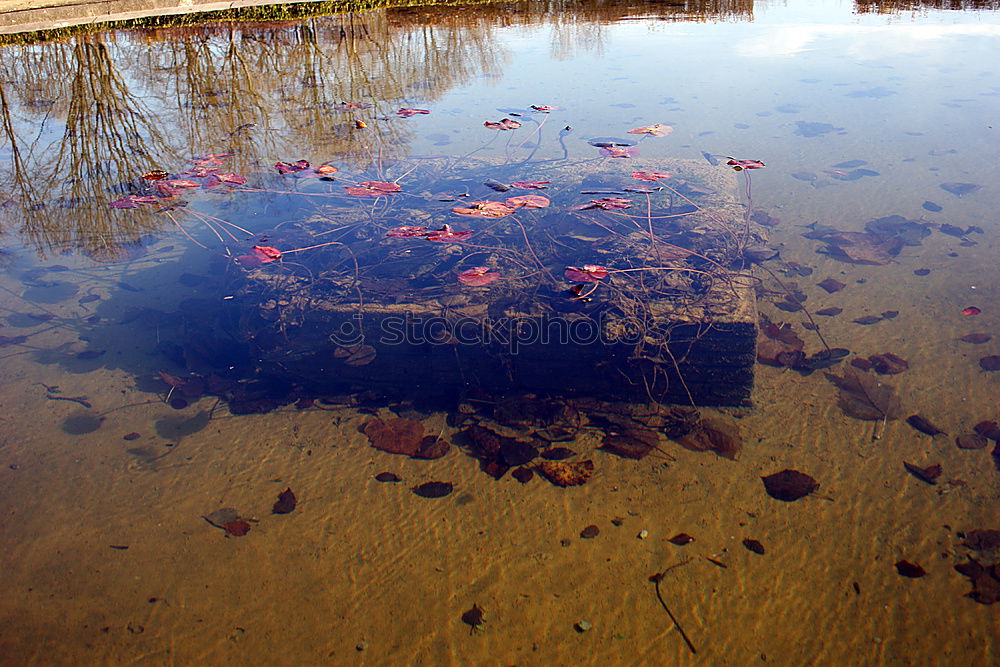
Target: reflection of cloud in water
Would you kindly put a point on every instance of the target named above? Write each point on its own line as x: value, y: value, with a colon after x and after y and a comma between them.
x: 860, y: 41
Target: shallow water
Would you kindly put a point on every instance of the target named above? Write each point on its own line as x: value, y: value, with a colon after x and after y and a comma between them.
x: 111, y: 456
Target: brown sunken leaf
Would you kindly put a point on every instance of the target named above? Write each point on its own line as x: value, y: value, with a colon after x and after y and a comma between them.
x: 789, y: 485
x: 237, y: 528
x: 923, y: 425
x: 433, y: 489
x: 888, y: 363
x: 777, y: 343
x: 714, y: 435
x: 286, y: 502
x: 982, y: 539
x: 990, y: 363
x: 907, y: 569
x: 567, y: 474
x: 432, y: 447
x: 397, y: 435
x: 831, y: 285
x: 680, y: 539
x: 928, y: 474
x: 976, y: 338
x: 971, y: 441
x: 861, y: 247
x: 988, y: 429
x: 862, y: 396
x: 985, y: 580
x: 630, y: 443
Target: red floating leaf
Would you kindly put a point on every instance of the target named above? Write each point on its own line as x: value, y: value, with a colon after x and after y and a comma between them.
x: 132, y: 201
x: 266, y: 253
x: 373, y: 189
x: 237, y: 528
x: 543, y: 108
x: 291, y: 167
x: 446, y: 234
x: 650, y: 175
x: 164, y: 189
x: 212, y: 181
x: 406, y: 112
x: 406, y: 232
x: 484, y: 209
x: 971, y: 310
x: 658, y: 130
x: 326, y: 169
x: 477, y: 276
x: 182, y: 183
x: 528, y: 201
x: 155, y: 175
x: 614, y: 151
x: 588, y: 273
x: 211, y: 159
x: 229, y: 177
x: 530, y: 185
x: 606, y: 204
x: 505, y: 124
x: 739, y: 165
x: 351, y: 106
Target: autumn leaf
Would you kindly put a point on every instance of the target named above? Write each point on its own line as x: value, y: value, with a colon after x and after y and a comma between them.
x: 606, y: 204
x: 543, y: 108
x: 182, y: 183
x: 406, y: 232
x: 658, y: 130
x: 649, y: 175
x: 530, y: 185
x: 505, y: 124
x: 484, y: 209
x: 588, y: 273
x: 477, y: 276
x: 291, y: 167
x: 155, y: 175
x: 528, y: 201
x: 446, y: 234
x: 613, y: 151
x: 740, y: 165
x: 373, y: 189
x: 132, y: 201
x: 406, y: 112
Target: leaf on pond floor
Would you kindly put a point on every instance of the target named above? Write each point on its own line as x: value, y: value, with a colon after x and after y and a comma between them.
x: 988, y: 429
x: 971, y: 310
x: 567, y: 474
x: 630, y: 443
x: 985, y: 580
x: 971, y: 441
x: 907, y: 569
x: 588, y: 273
x: 714, y: 435
x: 237, y: 528
x: 286, y: 502
x: 590, y: 532
x: 960, y: 189
x: 474, y: 617
x: 433, y: 489
x: 517, y: 452
x: 789, y: 485
x: 862, y: 396
x: 779, y: 345
x: 754, y: 546
x: 976, y: 338
x: 229, y: 520
x: 990, y: 363
x: 680, y: 539
x: 859, y: 247
x: 923, y: 425
x: 830, y: 312
x: 928, y: 474
x: 432, y: 447
x: 831, y: 285
x: 981, y: 539
x: 396, y: 435
x: 888, y: 363
x: 356, y: 355
x: 523, y: 475
x: 388, y: 477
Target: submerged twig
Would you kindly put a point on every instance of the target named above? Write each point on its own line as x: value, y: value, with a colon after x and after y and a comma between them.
x: 656, y: 579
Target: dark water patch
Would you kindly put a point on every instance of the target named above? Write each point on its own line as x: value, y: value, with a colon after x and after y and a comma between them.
x: 814, y: 129
x: 81, y: 423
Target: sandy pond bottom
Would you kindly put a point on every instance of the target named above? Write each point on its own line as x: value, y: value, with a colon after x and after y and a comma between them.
x: 363, y: 572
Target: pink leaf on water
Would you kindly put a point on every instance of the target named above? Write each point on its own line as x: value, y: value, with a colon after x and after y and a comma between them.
x: 164, y: 189
x: 373, y: 189
x: 406, y: 232
x: 124, y: 202
x: 543, y: 108
x: 658, y: 130
x: 446, y: 234
x: 650, y: 175
x: 182, y: 183
x: 351, y: 106
x: 484, y: 209
x: 211, y: 159
x: 528, y: 201
x: 505, y: 124
x: 291, y: 167
x: 613, y: 151
x: 588, y: 273
x: 235, y: 179
x: 477, y: 276
x: 266, y: 253
x: 739, y: 165
x: 406, y: 112
x: 211, y: 181
x: 530, y: 185
x: 606, y: 204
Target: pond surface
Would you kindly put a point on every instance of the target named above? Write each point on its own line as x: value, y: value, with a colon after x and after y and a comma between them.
x: 272, y: 307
